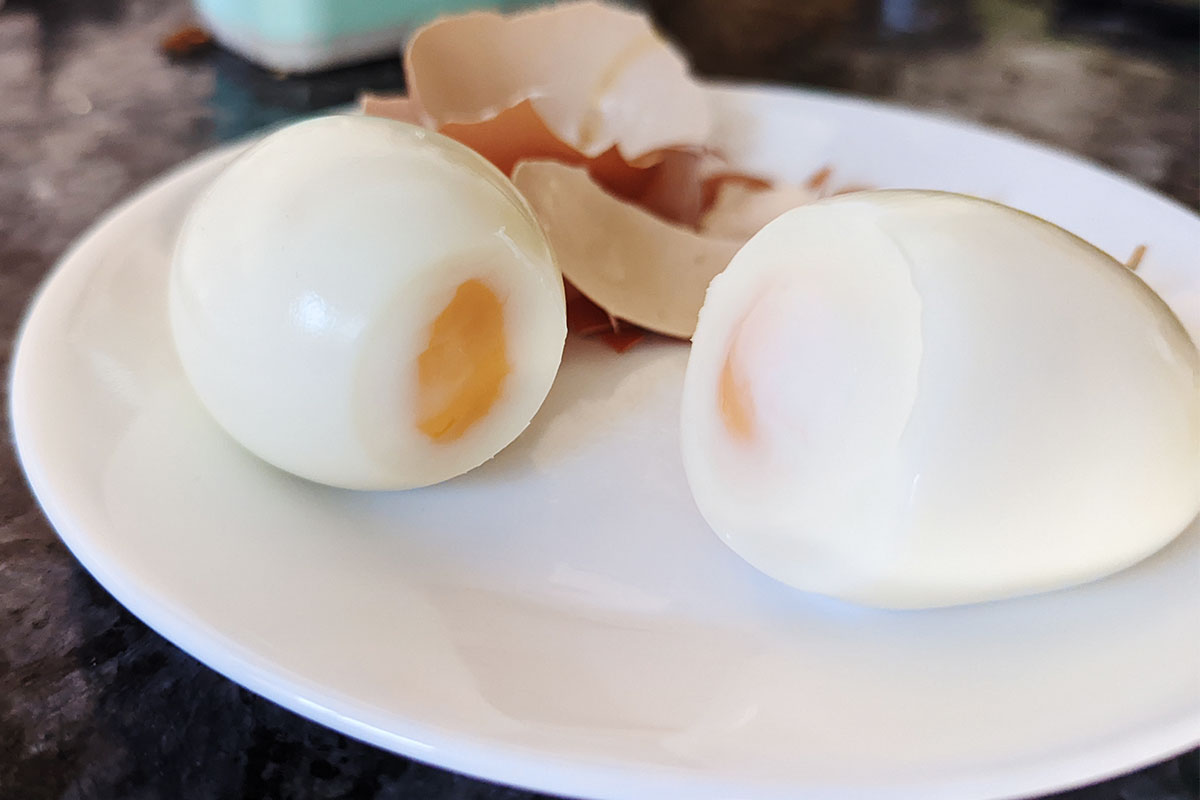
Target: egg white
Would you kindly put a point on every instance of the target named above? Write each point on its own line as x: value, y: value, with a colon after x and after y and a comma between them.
x: 953, y: 402
x: 305, y: 282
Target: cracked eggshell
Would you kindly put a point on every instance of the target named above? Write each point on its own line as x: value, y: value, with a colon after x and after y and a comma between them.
x: 639, y: 266
x: 397, y: 107
x: 913, y: 399
x: 631, y: 263
x: 585, y: 76
x: 741, y: 208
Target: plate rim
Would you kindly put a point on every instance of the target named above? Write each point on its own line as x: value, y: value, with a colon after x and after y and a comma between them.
x: 488, y: 759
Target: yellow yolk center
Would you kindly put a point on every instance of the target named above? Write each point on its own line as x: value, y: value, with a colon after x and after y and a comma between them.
x: 733, y: 399
x: 462, y: 371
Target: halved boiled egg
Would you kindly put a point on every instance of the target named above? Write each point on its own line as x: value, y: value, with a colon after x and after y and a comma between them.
x: 912, y: 399
x: 367, y: 304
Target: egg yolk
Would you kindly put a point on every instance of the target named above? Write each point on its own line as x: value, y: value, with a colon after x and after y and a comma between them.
x: 733, y: 399
x: 461, y: 372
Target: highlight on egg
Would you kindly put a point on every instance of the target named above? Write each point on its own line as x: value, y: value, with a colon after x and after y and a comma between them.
x: 367, y: 304
x: 913, y: 399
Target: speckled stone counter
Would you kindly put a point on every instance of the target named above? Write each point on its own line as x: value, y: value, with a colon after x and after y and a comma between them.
x: 95, y: 705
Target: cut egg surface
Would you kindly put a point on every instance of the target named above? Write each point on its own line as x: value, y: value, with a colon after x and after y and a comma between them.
x: 366, y: 304
x: 915, y: 399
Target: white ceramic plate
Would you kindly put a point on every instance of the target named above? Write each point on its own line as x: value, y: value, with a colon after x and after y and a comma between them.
x: 561, y: 618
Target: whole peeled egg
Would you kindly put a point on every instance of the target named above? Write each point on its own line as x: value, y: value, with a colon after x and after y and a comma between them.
x: 366, y: 304
x: 913, y: 399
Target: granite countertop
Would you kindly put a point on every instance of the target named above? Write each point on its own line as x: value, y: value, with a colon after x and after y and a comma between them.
x: 95, y: 705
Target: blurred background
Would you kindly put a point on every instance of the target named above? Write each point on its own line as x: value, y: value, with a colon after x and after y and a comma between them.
x: 98, y: 96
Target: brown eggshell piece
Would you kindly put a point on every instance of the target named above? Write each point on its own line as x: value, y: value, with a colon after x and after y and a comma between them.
x: 623, y: 339
x: 596, y: 76
x: 681, y: 185
x: 518, y: 133
x: 514, y: 134
x: 740, y: 208
x: 633, y: 264
x: 390, y: 106
x: 585, y: 317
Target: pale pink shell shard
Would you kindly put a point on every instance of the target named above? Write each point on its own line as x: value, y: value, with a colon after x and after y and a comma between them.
x: 683, y: 184
x: 390, y: 106
x: 633, y: 264
x: 741, y: 209
x: 598, y: 77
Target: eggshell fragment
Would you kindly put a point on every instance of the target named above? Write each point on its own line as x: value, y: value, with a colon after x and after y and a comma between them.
x: 595, y: 77
x: 741, y: 209
x: 584, y: 317
x: 398, y: 107
x: 636, y: 265
x: 633, y: 264
x: 653, y: 213
x: 623, y: 339
x: 683, y: 185
x: 514, y: 134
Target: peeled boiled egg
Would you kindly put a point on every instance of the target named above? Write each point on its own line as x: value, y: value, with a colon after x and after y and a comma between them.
x: 366, y: 304
x: 914, y: 399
